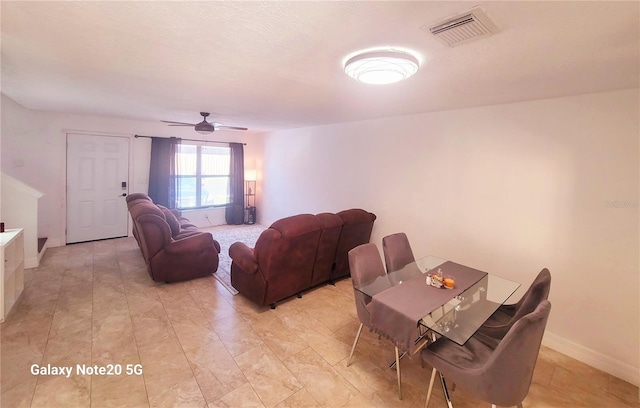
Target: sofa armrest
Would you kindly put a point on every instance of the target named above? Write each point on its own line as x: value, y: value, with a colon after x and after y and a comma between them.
x: 244, y: 256
x: 193, y: 243
x: 154, y: 233
x: 185, y: 234
x: 216, y: 244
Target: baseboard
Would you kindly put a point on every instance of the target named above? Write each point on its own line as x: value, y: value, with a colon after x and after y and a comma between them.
x: 53, y: 243
x: 593, y: 358
x: 31, y: 263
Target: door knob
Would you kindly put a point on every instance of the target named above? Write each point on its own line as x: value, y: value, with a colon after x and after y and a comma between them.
x: 124, y: 194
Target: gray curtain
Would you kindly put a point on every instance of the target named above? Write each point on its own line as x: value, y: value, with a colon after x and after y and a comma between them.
x: 162, y: 181
x: 235, y: 209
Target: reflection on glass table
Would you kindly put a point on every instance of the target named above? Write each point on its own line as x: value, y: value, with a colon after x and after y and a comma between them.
x: 419, y: 267
x: 462, y: 316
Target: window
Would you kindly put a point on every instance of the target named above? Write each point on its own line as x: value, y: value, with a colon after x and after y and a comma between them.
x: 202, y: 176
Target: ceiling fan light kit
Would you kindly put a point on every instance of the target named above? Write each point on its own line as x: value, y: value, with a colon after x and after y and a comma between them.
x: 204, y: 127
x: 381, y: 67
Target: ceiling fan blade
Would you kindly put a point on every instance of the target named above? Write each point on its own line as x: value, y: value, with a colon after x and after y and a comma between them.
x: 204, y: 125
x: 231, y: 127
x: 178, y: 123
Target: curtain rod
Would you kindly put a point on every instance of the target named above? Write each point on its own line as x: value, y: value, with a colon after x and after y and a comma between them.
x: 188, y: 140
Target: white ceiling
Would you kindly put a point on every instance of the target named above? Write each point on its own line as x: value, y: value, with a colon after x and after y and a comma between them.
x: 271, y: 65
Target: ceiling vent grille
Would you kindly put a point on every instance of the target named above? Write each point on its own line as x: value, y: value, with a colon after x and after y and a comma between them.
x: 462, y: 28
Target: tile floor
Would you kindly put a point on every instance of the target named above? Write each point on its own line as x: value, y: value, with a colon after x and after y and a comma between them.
x: 93, y: 304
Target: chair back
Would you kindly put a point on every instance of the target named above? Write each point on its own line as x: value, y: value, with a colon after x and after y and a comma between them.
x: 536, y: 293
x: 324, y: 264
x: 508, y: 372
x: 397, y: 251
x: 365, y: 265
x: 137, y: 196
x: 285, y: 253
x: 491, y: 332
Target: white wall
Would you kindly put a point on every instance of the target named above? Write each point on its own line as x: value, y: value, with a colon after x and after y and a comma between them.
x: 34, y: 151
x: 509, y: 189
x: 20, y: 210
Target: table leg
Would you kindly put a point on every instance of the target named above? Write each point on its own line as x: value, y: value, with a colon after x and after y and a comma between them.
x: 393, y: 364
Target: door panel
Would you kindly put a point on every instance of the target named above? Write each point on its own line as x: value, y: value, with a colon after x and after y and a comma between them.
x: 97, y: 169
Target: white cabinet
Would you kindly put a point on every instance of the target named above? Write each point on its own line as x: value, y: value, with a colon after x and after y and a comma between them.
x: 12, y: 269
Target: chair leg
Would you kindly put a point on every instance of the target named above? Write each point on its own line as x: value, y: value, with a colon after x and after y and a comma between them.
x: 446, y: 391
x: 398, y: 374
x: 354, y: 344
x: 433, y: 377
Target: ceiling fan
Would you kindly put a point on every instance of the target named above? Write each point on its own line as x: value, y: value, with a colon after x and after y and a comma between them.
x: 204, y: 127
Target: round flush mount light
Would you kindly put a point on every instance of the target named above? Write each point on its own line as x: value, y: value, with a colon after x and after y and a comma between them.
x: 381, y: 67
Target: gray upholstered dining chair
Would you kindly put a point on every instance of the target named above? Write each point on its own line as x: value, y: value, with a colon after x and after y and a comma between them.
x: 496, y: 327
x: 366, y: 265
x: 499, y: 376
x: 397, y: 251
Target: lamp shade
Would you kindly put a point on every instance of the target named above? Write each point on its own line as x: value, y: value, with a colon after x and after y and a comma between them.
x: 250, y: 175
x: 381, y: 67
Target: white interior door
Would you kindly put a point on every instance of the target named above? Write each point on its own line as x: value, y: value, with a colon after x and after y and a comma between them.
x: 97, y: 184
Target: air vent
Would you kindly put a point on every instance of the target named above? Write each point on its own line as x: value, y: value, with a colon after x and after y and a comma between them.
x: 463, y: 27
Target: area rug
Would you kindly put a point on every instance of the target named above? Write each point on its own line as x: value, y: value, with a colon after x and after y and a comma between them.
x: 227, y: 235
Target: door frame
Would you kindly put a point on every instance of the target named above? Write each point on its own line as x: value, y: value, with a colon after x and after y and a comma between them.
x: 68, y: 132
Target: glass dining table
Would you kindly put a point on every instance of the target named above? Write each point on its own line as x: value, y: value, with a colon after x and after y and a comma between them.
x: 404, y: 306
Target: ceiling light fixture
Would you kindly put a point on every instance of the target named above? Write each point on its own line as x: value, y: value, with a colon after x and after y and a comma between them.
x: 381, y: 67
x: 204, y: 130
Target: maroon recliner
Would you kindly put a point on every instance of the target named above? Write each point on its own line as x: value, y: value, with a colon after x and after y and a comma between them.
x: 171, y: 253
x: 297, y: 253
x: 281, y: 264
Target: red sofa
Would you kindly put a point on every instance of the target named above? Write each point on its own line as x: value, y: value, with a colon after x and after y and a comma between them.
x: 297, y: 253
x: 173, y: 249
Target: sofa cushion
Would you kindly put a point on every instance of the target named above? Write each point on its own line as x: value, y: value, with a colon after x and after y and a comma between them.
x: 137, y: 196
x: 356, y: 230
x: 173, y: 222
x: 325, y: 258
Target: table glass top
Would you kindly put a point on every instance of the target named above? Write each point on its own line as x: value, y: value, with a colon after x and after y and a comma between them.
x: 459, y: 317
